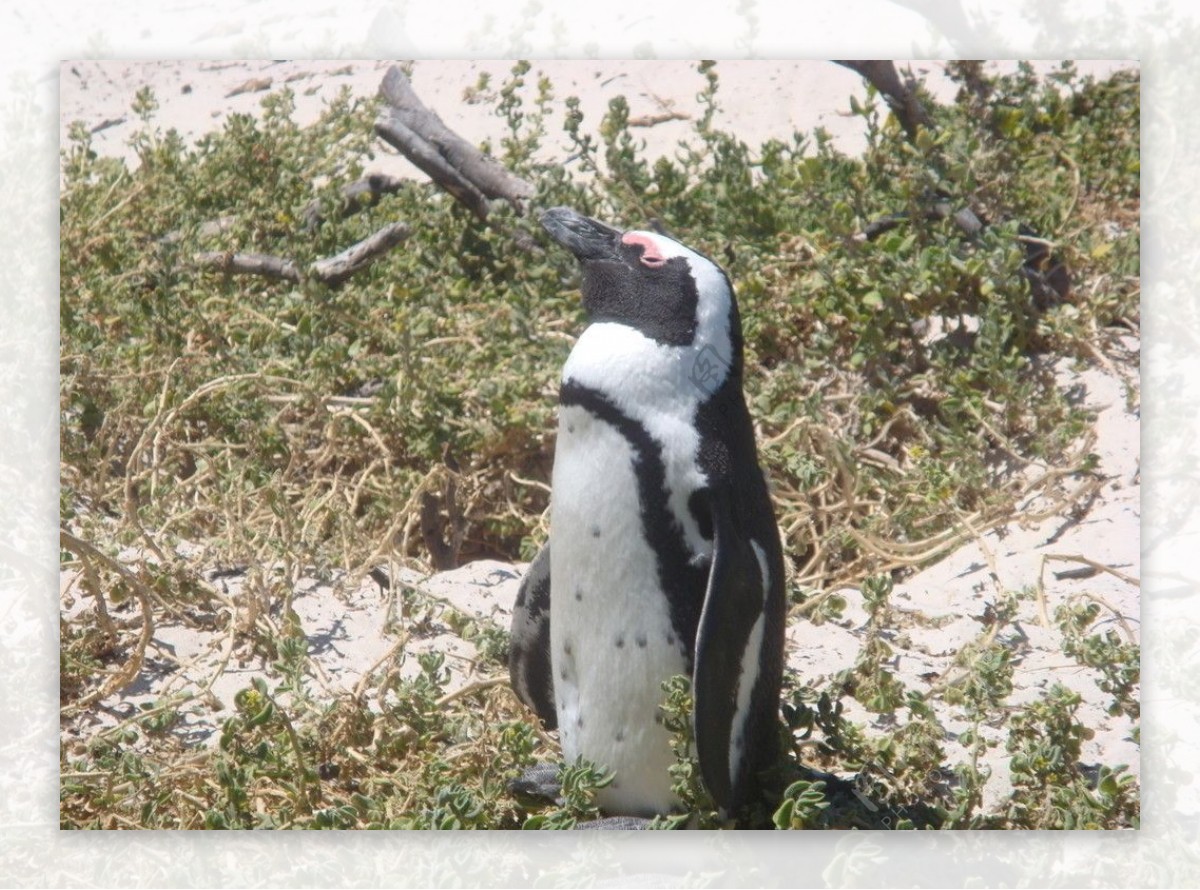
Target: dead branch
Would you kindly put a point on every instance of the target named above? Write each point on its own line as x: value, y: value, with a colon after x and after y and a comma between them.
x: 332, y: 270
x: 354, y: 197
x: 449, y: 160
x: 653, y: 120
x: 262, y: 264
x: 900, y: 97
x: 253, y: 85
x: 966, y: 220
x: 336, y: 269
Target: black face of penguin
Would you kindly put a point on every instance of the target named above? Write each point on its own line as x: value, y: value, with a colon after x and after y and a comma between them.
x: 627, y: 279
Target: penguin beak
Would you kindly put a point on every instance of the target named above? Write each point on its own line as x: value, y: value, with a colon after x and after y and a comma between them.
x: 585, y: 237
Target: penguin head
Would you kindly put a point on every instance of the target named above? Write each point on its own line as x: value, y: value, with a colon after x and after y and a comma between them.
x: 647, y: 281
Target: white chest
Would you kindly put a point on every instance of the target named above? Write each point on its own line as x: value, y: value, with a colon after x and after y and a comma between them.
x: 612, y: 641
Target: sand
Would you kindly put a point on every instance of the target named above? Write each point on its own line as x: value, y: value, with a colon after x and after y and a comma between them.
x: 759, y: 100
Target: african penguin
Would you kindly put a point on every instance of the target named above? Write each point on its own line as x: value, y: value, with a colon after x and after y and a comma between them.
x: 664, y: 555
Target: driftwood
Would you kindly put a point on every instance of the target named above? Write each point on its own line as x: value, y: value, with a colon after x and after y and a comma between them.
x: 460, y: 168
x: 331, y: 271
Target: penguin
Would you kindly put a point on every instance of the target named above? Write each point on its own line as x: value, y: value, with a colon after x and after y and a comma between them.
x: 664, y: 556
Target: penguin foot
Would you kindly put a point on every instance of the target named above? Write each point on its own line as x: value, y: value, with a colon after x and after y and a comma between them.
x: 614, y: 823
x: 540, y: 781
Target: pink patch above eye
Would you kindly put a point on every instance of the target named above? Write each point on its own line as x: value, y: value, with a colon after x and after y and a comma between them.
x: 651, y: 255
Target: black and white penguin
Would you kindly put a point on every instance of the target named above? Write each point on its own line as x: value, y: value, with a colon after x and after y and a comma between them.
x: 664, y: 555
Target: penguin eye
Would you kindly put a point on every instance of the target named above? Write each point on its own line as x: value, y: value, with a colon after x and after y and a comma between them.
x: 651, y: 257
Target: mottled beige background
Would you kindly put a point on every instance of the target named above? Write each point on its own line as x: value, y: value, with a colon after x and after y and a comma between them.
x: 36, y: 38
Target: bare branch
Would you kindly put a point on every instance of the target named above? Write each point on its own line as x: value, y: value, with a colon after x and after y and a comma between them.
x: 1049, y: 278
x: 336, y: 269
x: 250, y: 264
x: 449, y: 160
x: 332, y: 270
x: 365, y: 192
x: 422, y: 155
x: 900, y: 97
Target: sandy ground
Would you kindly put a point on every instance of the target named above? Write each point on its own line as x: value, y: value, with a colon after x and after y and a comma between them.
x: 758, y: 100
x: 352, y: 629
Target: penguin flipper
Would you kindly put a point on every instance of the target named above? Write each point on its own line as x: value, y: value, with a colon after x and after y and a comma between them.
x: 529, y: 649
x: 729, y: 684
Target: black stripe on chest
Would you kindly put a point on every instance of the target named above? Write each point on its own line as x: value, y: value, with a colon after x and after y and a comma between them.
x: 683, y: 582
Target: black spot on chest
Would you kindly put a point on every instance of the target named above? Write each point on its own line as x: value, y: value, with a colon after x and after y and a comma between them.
x: 682, y: 579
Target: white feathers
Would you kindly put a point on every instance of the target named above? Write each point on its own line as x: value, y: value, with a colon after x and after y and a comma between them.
x: 763, y: 569
x: 747, y: 679
x: 748, y: 673
x: 609, y: 633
